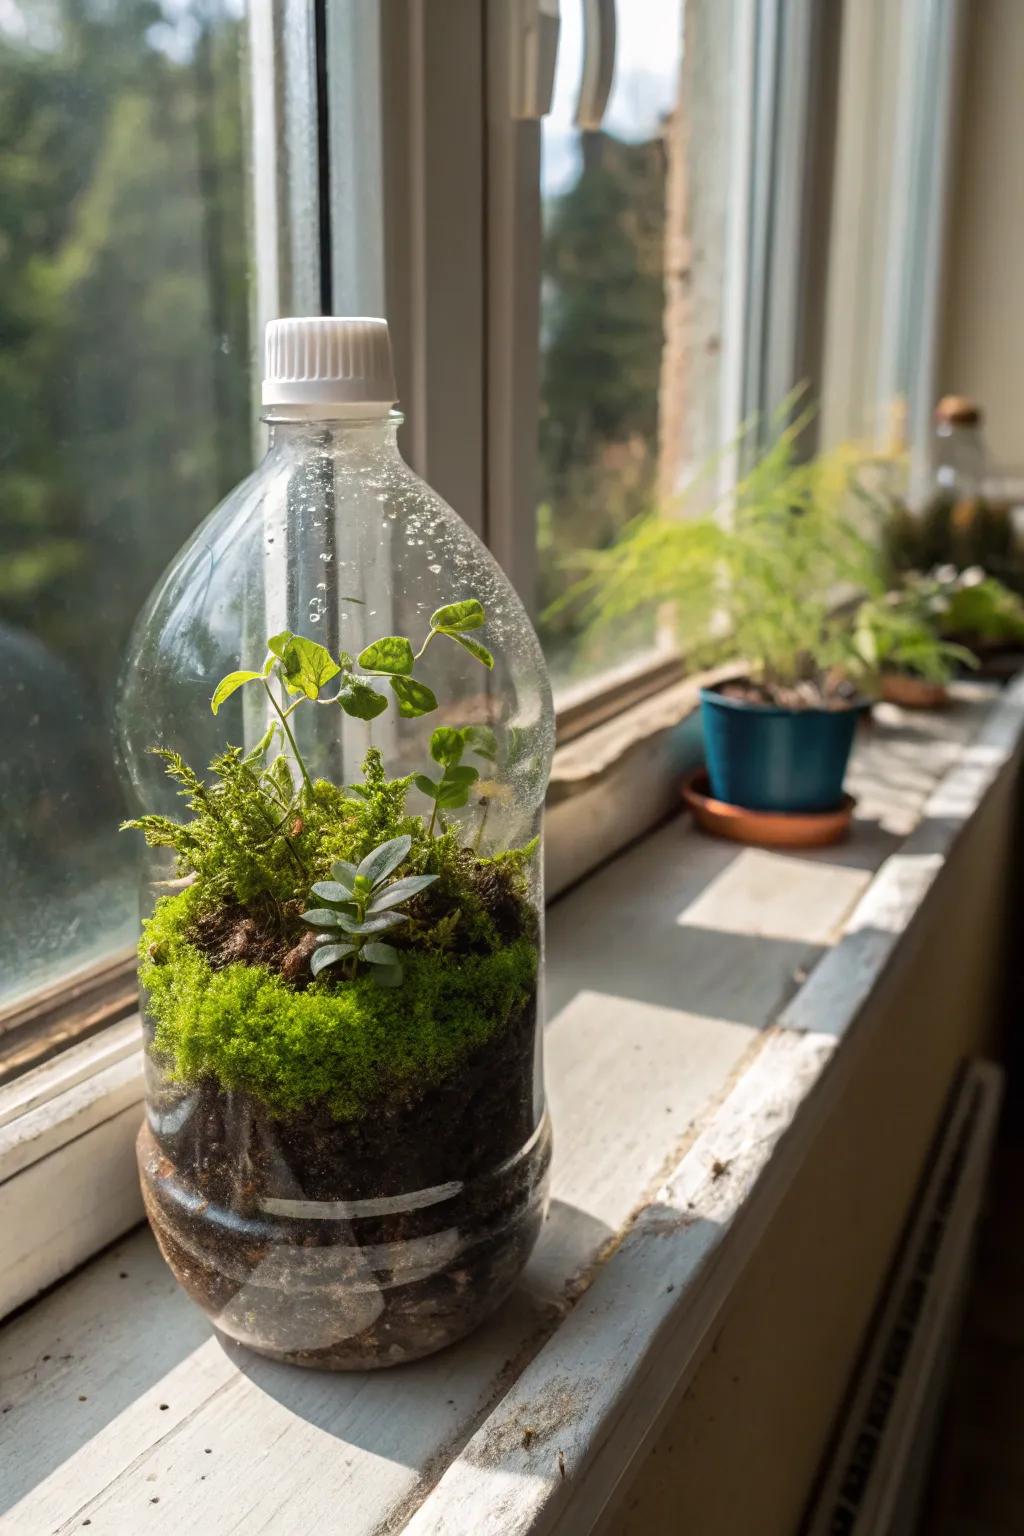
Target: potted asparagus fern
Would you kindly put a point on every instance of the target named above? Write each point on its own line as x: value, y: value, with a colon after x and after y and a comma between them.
x: 760, y: 577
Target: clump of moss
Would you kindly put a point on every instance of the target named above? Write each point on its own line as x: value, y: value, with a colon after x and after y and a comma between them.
x: 346, y: 1046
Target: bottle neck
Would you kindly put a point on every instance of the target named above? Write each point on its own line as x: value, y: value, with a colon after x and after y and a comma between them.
x: 959, y: 458
x: 290, y: 428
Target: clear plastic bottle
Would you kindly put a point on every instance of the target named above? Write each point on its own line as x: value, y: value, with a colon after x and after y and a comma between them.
x: 327, y: 1202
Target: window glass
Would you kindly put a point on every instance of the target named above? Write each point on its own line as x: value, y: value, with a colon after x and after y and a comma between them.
x: 603, y: 314
x: 124, y: 413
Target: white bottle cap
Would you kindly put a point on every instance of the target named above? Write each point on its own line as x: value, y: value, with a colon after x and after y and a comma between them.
x: 337, y: 361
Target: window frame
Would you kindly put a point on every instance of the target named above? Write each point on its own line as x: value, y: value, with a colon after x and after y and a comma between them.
x: 886, y: 236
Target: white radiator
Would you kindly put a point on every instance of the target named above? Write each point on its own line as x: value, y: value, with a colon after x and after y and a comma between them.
x: 874, y: 1477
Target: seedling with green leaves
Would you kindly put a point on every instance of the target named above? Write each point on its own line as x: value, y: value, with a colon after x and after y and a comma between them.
x: 290, y: 853
x: 358, y: 905
x: 304, y: 668
x: 447, y: 744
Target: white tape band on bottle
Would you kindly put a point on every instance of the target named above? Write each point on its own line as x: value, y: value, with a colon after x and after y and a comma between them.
x: 344, y: 1210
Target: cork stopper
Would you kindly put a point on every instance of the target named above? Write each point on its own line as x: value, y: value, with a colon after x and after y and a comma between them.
x: 958, y: 411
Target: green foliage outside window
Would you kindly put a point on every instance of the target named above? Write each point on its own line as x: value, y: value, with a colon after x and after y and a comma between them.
x: 124, y: 402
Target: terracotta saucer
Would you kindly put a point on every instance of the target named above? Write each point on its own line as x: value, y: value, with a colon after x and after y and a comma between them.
x: 912, y: 692
x: 769, y: 829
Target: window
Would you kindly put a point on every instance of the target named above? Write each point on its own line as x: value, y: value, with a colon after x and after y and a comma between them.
x: 580, y: 318
x: 124, y: 294
x: 623, y: 353
x: 602, y: 309
x: 889, y: 207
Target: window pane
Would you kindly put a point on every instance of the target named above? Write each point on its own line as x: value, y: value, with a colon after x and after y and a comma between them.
x: 603, y: 299
x: 124, y: 294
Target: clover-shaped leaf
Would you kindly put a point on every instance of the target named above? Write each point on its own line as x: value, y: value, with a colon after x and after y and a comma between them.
x: 414, y: 699
x: 446, y: 745
x: 474, y: 648
x: 391, y: 655
x: 228, y: 685
x: 482, y: 740
x: 361, y: 701
x: 306, y: 665
x: 456, y: 617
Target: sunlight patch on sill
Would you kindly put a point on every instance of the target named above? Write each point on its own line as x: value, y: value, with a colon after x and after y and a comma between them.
x: 776, y: 896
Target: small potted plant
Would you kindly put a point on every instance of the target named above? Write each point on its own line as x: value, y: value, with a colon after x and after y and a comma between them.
x: 979, y: 612
x: 759, y: 577
x: 898, y: 638
x: 345, y: 1154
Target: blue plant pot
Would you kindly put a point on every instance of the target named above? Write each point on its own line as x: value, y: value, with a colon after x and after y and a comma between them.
x: 765, y: 758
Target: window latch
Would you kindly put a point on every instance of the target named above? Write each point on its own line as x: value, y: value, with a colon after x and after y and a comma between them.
x: 534, y: 28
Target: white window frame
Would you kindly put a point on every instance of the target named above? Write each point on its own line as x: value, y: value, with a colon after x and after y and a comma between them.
x: 887, y: 238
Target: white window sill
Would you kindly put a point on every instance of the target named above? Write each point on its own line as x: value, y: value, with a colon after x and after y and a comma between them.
x: 684, y: 1041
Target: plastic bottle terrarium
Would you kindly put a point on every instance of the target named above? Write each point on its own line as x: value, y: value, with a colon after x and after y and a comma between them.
x: 337, y: 719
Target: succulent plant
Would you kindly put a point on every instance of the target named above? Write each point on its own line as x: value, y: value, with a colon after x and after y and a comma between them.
x: 358, y: 906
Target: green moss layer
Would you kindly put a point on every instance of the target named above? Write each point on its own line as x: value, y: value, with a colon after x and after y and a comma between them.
x: 347, y: 1045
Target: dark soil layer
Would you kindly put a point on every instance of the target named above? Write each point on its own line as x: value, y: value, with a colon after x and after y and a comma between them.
x: 233, y: 933
x: 354, y: 1289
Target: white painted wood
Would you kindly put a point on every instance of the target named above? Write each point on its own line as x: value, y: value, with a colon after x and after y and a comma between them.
x: 776, y: 896
x: 73, y: 1066
x: 836, y: 992
x: 47, y: 1127
x: 680, y: 1118
x: 62, y: 1207
x: 68, y: 1183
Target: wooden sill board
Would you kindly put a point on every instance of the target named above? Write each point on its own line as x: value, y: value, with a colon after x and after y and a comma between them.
x: 682, y: 1043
